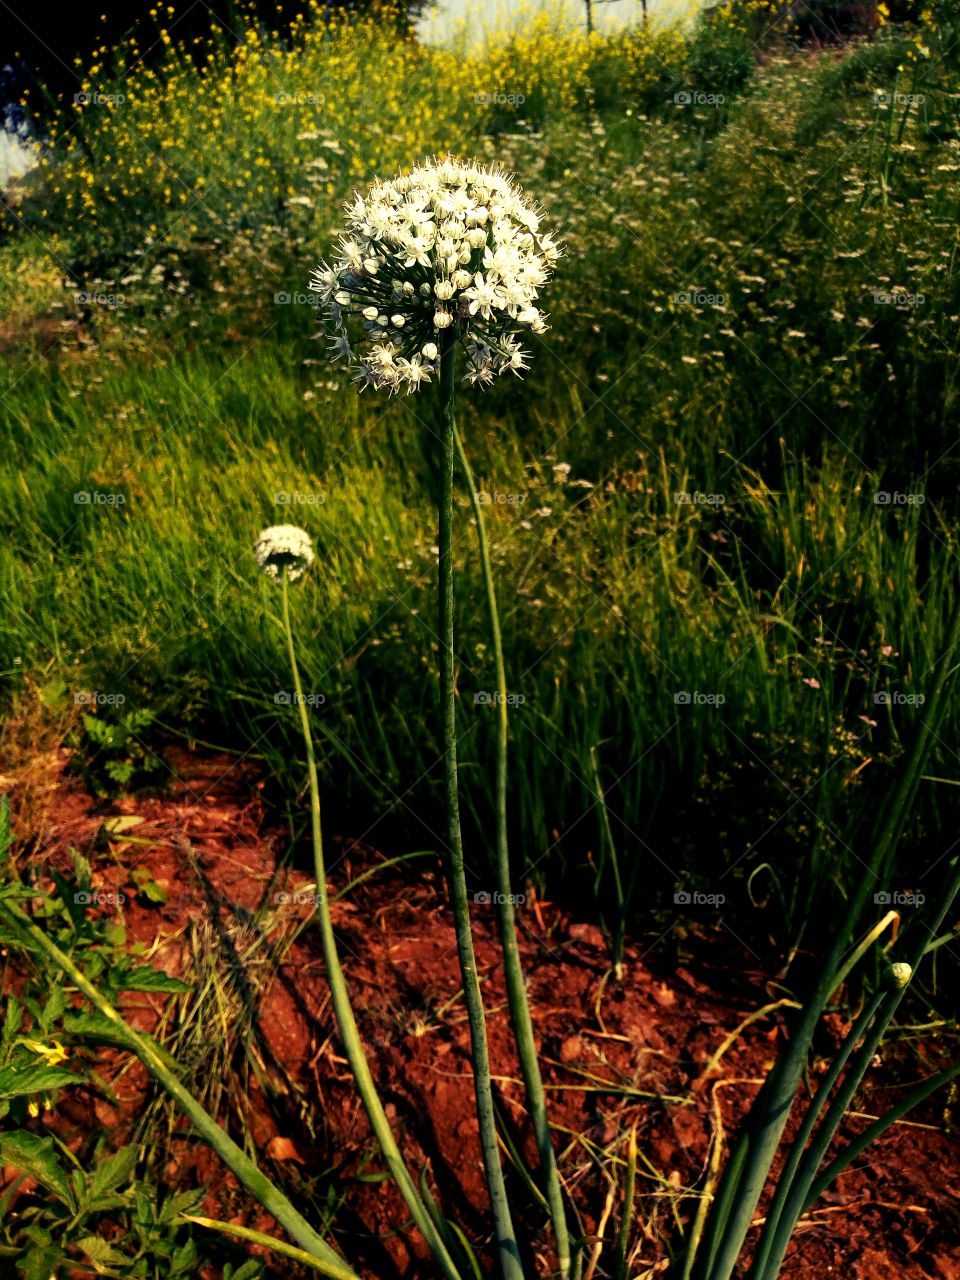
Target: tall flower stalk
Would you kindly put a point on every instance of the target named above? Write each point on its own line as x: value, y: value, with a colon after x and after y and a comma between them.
x: 281, y: 552
x: 473, y: 998
x: 448, y: 257
x: 512, y: 964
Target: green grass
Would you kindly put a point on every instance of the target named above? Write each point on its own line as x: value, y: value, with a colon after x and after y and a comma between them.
x: 795, y: 396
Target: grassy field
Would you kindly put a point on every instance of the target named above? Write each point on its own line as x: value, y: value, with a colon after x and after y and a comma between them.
x: 722, y: 501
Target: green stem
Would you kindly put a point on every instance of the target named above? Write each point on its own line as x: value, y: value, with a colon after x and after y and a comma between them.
x: 512, y: 964
x: 742, y: 1186
x: 770, y: 1239
x: 247, y: 1173
x: 800, y: 1190
x: 340, y: 996
x: 506, y: 1240
x: 875, y: 1130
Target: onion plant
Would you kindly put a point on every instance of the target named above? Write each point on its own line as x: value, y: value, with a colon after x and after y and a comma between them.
x: 804, y: 1176
x: 450, y: 258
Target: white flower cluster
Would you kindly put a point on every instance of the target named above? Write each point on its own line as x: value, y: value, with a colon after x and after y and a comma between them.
x: 284, y: 546
x: 448, y: 247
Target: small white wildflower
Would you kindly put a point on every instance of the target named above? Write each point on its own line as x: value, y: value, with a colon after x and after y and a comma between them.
x: 284, y: 546
x: 561, y: 470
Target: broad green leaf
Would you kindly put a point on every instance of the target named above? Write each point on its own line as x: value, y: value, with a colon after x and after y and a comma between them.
x: 100, y: 1253
x: 146, y: 978
x: 36, y: 1156
x: 40, y: 1263
x: 147, y: 886
x: 12, y: 1020
x: 53, y: 1007
x: 184, y: 1261
x: 114, y: 1172
x: 21, y: 1082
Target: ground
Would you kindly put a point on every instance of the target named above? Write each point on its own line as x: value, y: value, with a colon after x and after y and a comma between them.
x: 616, y: 1053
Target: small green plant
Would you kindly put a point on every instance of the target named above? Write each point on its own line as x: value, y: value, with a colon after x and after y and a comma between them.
x: 93, y: 1220
x: 112, y: 756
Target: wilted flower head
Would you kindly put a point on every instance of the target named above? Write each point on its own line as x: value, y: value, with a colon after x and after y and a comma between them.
x: 284, y: 546
x: 447, y: 246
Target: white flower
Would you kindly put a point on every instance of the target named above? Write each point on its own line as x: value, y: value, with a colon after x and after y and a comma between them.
x: 284, y: 546
x: 448, y: 245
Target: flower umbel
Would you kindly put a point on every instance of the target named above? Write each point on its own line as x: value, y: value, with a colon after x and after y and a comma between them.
x: 284, y: 546
x: 449, y: 244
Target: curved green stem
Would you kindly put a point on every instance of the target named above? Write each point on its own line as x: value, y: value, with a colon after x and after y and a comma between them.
x: 512, y: 964
x: 343, y: 1010
x: 506, y: 1239
x: 770, y: 1240
x: 236, y: 1160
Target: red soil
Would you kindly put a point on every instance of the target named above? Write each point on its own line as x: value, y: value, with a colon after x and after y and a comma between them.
x: 615, y: 1054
